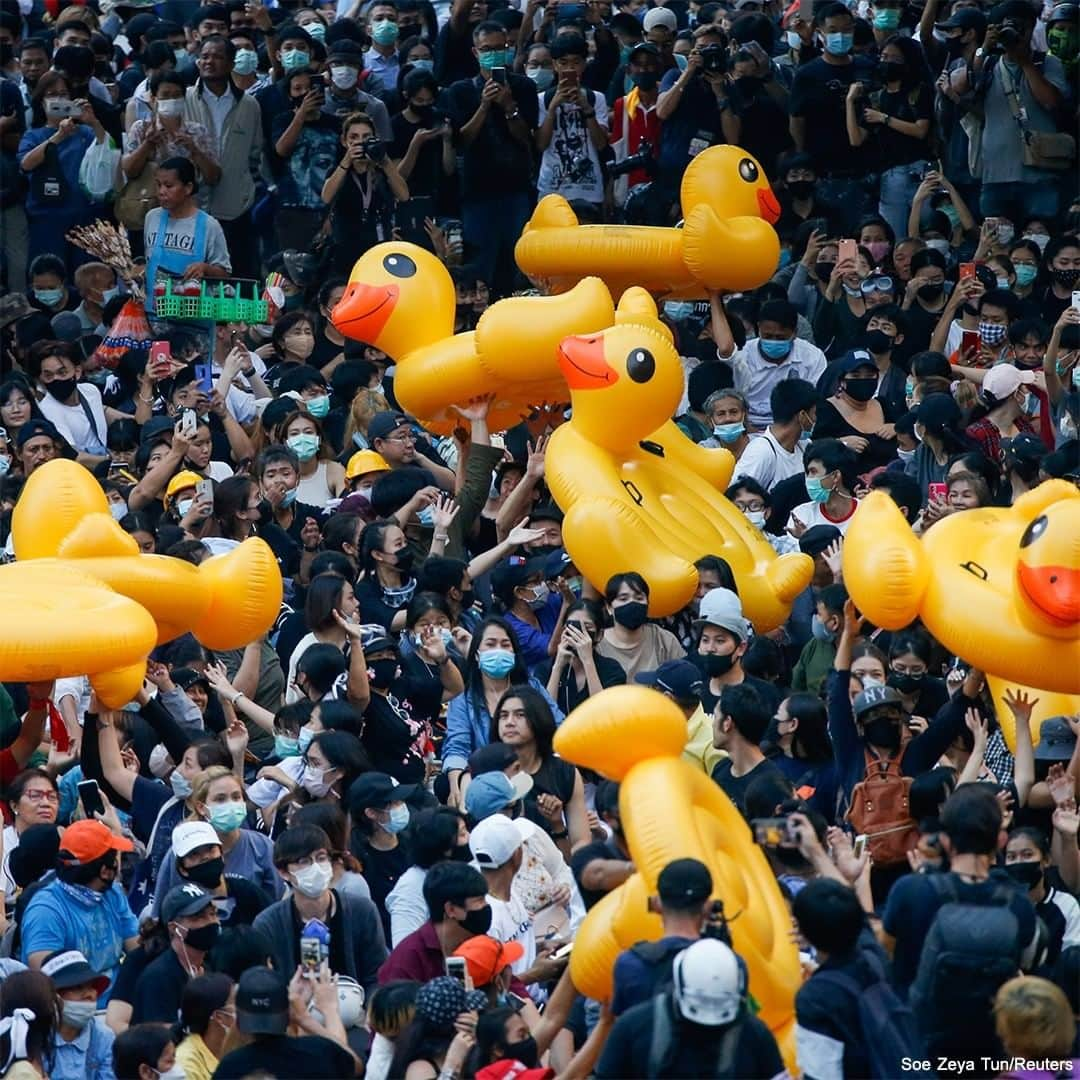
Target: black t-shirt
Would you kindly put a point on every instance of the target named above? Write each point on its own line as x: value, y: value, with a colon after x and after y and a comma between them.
x: 693, y: 1051
x: 244, y: 900
x: 891, y: 147
x: 381, y: 870
x: 598, y: 849
x: 427, y: 172
x: 554, y: 777
x: 495, y: 163
x: 395, y: 734
x: 734, y: 787
x: 337, y: 959
x: 454, y: 58
x: 132, y: 966
x: 768, y: 693
x: 818, y: 96
x: 159, y: 990
x: 325, y: 350
x: 373, y: 603
x: 363, y: 211
x: 310, y: 1057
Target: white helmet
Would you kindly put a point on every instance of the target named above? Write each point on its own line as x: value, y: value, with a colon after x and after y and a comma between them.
x: 710, y: 983
x: 350, y: 1002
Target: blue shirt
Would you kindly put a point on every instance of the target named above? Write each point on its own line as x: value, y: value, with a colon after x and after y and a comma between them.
x: 385, y: 67
x: 534, y: 640
x: 69, y: 153
x: 88, y: 1057
x: 59, y: 918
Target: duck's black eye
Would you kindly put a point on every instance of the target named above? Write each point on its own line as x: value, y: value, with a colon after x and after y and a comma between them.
x: 748, y: 170
x: 399, y: 265
x: 640, y: 365
x: 1034, y: 531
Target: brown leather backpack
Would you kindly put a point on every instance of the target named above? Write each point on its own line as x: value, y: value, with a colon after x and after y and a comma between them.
x: 880, y: 808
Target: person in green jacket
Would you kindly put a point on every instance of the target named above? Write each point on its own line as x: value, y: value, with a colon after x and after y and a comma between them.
x: 816, y: 659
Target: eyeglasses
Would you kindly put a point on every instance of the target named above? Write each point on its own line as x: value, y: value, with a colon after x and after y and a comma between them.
x: 41, y: 796
x: 306, y: 861
x: 401, y: 438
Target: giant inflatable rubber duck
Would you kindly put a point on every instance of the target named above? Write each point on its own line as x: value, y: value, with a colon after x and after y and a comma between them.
x: 671, y: 810
x: 400, y: 298
x: 727, y: 241
x: 999, y: 587
x: 82, y: 600
x: 636, y: 493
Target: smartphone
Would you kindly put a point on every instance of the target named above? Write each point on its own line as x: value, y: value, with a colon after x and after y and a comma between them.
x: 204, y: 490
x: 188, y: 423
x: 204, y: 374
x: 757, y: 52
x: 498, y: 75
x: 772, y: 832
x: 160, y: 362
x: 454, y: 966
x: 410, y: 217
x: 847, y: 249
x: 90, y: 797
x: 566, y: 950
x: 938, y: 492
x: 969, y: 340
x: 967, y: 270
x: 859, y: 846
x: 1076, y: 299
x: 310, y: 956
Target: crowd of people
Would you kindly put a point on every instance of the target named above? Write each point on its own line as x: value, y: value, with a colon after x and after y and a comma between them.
x: 350, y: 848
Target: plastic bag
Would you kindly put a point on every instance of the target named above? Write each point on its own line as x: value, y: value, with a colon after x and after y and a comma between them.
x: 97, y: 173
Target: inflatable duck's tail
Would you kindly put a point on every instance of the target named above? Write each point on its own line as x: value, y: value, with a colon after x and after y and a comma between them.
x: 552, y: 212
x: 789, y: 576
x: 244, y: 588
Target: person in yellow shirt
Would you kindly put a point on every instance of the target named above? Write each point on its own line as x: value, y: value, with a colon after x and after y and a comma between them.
x: 207, y: 1016
x: 681, y: 681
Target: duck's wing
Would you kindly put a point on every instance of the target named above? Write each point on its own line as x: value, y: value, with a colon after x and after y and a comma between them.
x: 732, y: 254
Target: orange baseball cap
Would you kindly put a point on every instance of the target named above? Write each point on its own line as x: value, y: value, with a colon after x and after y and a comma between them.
x: 89, y: 840
x: 485, y: 957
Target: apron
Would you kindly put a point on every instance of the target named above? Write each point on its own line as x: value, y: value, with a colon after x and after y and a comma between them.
x: 174, y: 262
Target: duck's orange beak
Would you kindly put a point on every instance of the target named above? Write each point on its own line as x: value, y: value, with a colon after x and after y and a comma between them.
x: 364, y: 310
x: 1054, y: 590
x: 768, y: 206
x: 583, y: 364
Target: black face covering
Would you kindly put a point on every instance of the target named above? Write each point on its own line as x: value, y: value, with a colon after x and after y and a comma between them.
x: 929, y: 293
x: 478, y: 921
x: 207, y: 874
x: 860, y: 389
x: 426, y: 113
x: 382, y: 673
x: 905, y: 683
x: 403, y: 560
x: 461, y: 853
x: 890, y: 71
x: 955, y: 46
x: 715, y: 665
x: 884, y: 732
x: 467, y: 599
x: 1066, y: 278
x: 543, y: 550
x: 877, y: 341
x: 824, y: 271
x: 1027, y: 874
x: 801, y: 189
x: 61, y: 389
x: 524, y: 1051
x: 203, y: 938
x: 632, y: 615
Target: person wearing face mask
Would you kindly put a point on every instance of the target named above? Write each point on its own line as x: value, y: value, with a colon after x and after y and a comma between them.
x: 1029, y: 863
x: 84, y: 904
x: 532, y: 609
x: 1001, y: 412
x: 74, y: 407
x: 816, y: 659
x: 382, y: 57
x: 636, y: 643
x: 727, y: 411
x: 577, y: 670
x: 423, y: 148
x: 854, y: 416
x: 208, y: 1018
x: 818, y: 117
x: 798, y: 200
x: 191, y: 920
x: 344, y: 96
x: 830, y: 476
x: 245, y: 74
x: 82, y: 1047
x: 1062, y: 259
x: 302, y: 855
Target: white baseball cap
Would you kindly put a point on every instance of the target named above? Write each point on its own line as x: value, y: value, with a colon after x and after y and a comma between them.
x: 660, y: 16
x: 189, y: 835
x: 494, y: 841
x: 1005, y: 379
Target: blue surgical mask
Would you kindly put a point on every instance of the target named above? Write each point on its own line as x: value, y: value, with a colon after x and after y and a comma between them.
x: 498, y: 663
x: 793, y: 40
x: 905, y: 455
x: 729, y: 432
x: 951, y: 213
x: 423, y: 65
x: 291, y: 59
x: 109, y: 294
x: 384, y: 32
x: 839, y: 44
x: 444, y: 634
x: 304, y: 446
x: 543, y: 77
x: 489, y: 60
x: 360, y: 441
x: 399, y: 819
x: 785, y: 258
x: 284, y: 746
x: 180, y: 784
x: 677, y: 310
x: 317, y: 31
x: 180, y: 56
x: 319, y: 406
x: 816, y: 489
x: 245, y: 62
x: 886, y: 19
x: 303, y: 739
x: 289, y: 497
x: 228, y: 817
x: 183, y: 506
x: 1025, y: 274
x: 426, y: 517
x: 775, y: 350
x: 820, y: 631
x: 50, y: 297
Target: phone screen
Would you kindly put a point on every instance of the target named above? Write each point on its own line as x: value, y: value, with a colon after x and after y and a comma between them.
x: 205, y: 375
x: 970, y: 340
x: 90, y: 797
x: 498, y: 74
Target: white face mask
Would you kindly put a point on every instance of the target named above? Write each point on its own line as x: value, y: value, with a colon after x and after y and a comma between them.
x: 1040, y: 239
x: 175, y: 1073
x: 756, y: 518
x: 118, y: 510
x: 171, y: 107
x: 313, y: 880
x: 314, y: 781
x: 78, y: 1014
x: 905, y: 455
x: 344, y: 78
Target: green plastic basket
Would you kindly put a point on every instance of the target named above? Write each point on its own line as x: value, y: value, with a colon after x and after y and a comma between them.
x: 171, y: 306
x: 217, y: 301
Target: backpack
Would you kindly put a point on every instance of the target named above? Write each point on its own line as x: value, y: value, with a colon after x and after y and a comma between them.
x: 879, y: 807
x: 971, y: 948
x: 888, y: 1028
x: 660, y: 958
x: 663, y: 1041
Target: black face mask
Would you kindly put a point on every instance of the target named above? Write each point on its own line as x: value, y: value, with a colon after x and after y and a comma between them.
x: 632, y: 615
x: 543, y: 550
x: 468, y: 597
x: 403, y: 560
x: 461, y: 853
x: 645, y: 80
x: 860, y: 389
x: 382, y: 673
x: 426, y: 113
x: 524, y: 1051
x: 824, y: 271
x: 883, y: 732
x: 1066, y: 278
x: 930, y: 293
x: 478, y: 921
x: 877, y: 341
x: 61, y: 389
x: 1027, y: 874
x: 715, y: 665
x: 890, y: 71
x: 207, y: 874
x: 801, y: 189
x: 905, y: 683
x: 203, y: 938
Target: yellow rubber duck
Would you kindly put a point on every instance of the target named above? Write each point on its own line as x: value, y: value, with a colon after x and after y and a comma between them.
x: 727, y: 241
x: 999, y: 587
x: 636, y: 493
x: 400, y: 298
x: 82, y: 600
x: 670, y: 810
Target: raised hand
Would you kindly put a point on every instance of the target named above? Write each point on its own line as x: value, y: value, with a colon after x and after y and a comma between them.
x: 522, y: 534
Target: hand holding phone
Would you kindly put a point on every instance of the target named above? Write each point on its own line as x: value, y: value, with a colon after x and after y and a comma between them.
x: 847, y: 250
x: 90, y: 797
x: 938, y: 492
x: 967, y: 270
x: 498, y: 75
x: 189, y: 422
x: 159, y: 364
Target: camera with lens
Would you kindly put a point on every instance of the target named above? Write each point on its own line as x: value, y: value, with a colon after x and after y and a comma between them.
x: 1009, y: 34
x: 641, y: 159
x: 374, y: 149
x: 713, y: 59
x: 716, y: 924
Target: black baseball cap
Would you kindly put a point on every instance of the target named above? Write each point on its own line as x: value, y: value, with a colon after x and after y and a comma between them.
x: 32, y: 429
x: 181, y: 900
x: 545, y: 512
x: 679, y: 678
x: 383, y: 423
x: 187, y: 677
x: 1013, y: 9
x: 262, y: 1002
x: 683, y: 883
x: 156, y: 426
x: 645, y: 47
x: 817, y: 538
x: 874, y: 697
x: 515, y: 571
x: 964, y: 19
x: 376, y: 790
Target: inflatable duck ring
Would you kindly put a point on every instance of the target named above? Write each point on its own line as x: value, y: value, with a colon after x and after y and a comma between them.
x: 999, y: 587
x: 82, y: 600
x: 670, y: 810
x: 726, y: 243
x: 637, y: 493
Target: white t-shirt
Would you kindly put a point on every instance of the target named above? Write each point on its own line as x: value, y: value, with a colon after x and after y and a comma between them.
x: 510, y: 921
x: 755, y: 376
x: 767, y: 462
x: 812, y: 513
x: 570, y: 166
x: 73, y: 423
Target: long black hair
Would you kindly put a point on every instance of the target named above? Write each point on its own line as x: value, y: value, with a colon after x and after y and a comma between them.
x: 474, y: 685
x: 537, y: 712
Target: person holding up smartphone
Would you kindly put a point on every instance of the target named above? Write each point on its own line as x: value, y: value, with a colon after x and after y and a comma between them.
x: 423, y: 147
x: 361, y: 190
